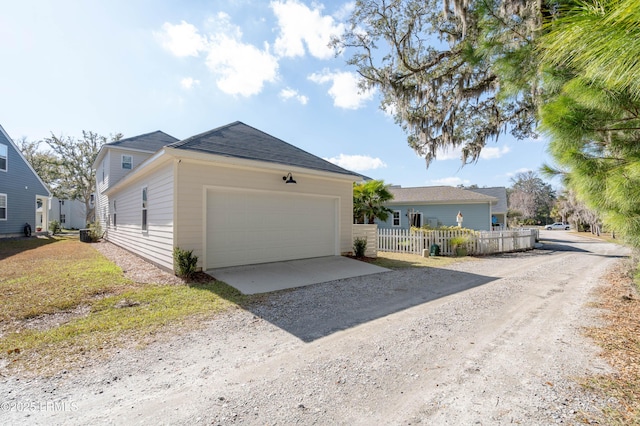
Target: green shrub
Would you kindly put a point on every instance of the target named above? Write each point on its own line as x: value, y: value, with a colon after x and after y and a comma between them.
x: 359, y: 246
x: 184, y: 262
x: 54, y: 227
x: 95, y: 231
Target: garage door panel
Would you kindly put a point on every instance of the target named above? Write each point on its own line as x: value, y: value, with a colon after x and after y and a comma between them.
x: 257, y: 227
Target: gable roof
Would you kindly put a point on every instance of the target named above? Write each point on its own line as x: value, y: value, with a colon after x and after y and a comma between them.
x: 499, y: 192
x: 151, y: 142
x: 437, y: 194
x: 238, y: 140
x: 4, y: 135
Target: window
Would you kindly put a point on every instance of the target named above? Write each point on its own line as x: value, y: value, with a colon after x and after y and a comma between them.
x: 3, y: 157
x: 415, y: 219
x: 114, y: 220
x: 114, y: 213
x: 127, y: 162
x: 3, y: 206
x: 396, y: 218
x: 63, y: 218
x: 144, y: 208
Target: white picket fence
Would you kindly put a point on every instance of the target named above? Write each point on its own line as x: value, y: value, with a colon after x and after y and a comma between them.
x: 479, y: 242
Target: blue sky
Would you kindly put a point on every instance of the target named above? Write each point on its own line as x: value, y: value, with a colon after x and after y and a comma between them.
x: 185, y: 67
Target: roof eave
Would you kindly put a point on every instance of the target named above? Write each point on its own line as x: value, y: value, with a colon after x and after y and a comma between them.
x: 202, y: 156
x: 145, y: 167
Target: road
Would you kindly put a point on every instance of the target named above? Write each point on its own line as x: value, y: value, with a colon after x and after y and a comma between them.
x: 486, y: 342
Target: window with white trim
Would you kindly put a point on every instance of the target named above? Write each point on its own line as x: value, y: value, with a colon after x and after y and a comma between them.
x: 127, y: 162
x: 3, y: 206
x: 63, y: 218
x: 396, y: 218
x: 144, y: 208
x: 114, y: 213
x: 4, y: 152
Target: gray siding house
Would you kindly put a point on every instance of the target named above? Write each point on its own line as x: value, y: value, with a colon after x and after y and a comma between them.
x: 24, y: 198
x: 436, y: 206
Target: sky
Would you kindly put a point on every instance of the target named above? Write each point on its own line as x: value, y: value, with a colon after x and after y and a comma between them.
x: 185, y: 67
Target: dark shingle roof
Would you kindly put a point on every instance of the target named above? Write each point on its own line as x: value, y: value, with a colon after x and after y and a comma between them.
x: 151, y: 142
x: 499, y: 192
x: 436, y: 194
x: 239, y: 140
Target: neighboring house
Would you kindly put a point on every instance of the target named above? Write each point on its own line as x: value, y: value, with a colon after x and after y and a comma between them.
x: 24, y: 198
x: 499, y: 218
x: 234, y: 195
x: 71, y: 214
x: 438, y: 206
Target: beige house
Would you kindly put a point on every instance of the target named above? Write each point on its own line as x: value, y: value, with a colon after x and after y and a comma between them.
x: 234, y: 195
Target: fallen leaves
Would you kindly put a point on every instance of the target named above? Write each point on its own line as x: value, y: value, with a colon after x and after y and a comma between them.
x: 620, y: 341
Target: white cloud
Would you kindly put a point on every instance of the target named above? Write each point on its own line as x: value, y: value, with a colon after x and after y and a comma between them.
x: 289, y: 93
x: 449, y: 153
x: 300, y: 25
x: 455, y: 153
x: 239, y: 68
x: 345, y: 11
x: 492, y: 153
x: 189, y: 82
x: 450, y: 181
x: 344, y: 88
x: 181, y: 39
x: 357, y: 163
x: 521, y: 170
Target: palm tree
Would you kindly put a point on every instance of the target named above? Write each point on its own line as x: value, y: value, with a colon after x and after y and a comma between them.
x: 368, y: 201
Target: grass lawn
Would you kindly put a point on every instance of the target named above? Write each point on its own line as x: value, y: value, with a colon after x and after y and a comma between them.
x: 61, y: 300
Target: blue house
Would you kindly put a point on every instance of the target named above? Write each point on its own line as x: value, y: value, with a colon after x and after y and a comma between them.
x: 24, y: 198
x: 436, y: 206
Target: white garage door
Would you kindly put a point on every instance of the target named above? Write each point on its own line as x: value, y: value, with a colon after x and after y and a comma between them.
x: 246, y: 227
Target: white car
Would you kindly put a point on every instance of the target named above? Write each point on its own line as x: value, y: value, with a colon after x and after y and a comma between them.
x: 557, y: 225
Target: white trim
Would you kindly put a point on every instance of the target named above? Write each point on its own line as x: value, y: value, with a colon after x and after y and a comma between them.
x: 6, y: 158
x: 399, y: 219
x: 6, y: 206
x: 257, y: 164
x: 122, y: 162
x: 25, y: 160
x: 415, y: 213
x: 144, y: 211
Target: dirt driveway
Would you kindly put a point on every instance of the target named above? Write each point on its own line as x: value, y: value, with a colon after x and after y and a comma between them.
x: 487, y: 342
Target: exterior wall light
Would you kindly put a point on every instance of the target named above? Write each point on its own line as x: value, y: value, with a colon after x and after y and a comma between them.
x: 288, y: 178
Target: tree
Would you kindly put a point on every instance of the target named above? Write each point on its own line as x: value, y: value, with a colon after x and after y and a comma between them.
x: 45, y: 163
x: 455, y: 74
x: 531, y: 197
x: 592, y: 114
x: 572, y: 210
x: 368, y: 201
x: 76, y: 157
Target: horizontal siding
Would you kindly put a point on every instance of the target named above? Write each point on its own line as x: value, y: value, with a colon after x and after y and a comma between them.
x: 22, y: 186
x: 155, y: 244
x: 476, y: 216
x: 193, y: 178
x: 116, y: 172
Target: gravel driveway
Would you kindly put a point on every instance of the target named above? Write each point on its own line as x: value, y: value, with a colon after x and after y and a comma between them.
x: 487, y: 342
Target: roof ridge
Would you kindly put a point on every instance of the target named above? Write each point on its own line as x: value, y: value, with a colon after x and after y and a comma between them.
x: 321, y: 163
x: 140, y: 136
x: 182, y: 142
